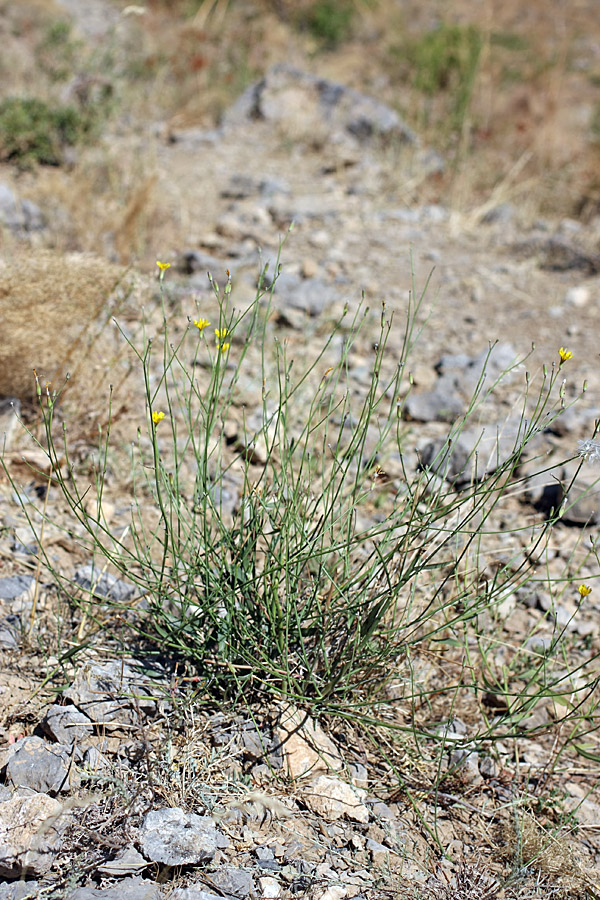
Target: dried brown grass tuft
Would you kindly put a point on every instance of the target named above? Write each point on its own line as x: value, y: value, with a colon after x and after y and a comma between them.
x: 553, y: 856
x: 54, y: 309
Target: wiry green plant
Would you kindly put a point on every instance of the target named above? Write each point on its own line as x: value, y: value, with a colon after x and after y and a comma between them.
x: 316, y: 584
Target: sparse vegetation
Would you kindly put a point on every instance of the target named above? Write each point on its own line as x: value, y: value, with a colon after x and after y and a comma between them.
x: 33, y: 132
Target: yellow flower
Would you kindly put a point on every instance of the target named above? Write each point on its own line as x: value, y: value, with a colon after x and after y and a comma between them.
x: 201, y: 324
x: 584, y: 590
x: 564, y: 355
x: 157, y: 416
x: 224, y: 348
x: 220, y: 333
x: 163, y: 266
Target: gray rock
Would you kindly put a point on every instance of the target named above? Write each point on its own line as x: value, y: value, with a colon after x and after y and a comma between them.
x: 66, y: 724
x: 9, y: 213
x: 103, y: 585
x: 18, y: 890
x: 194, y: 893
x: 17, y: 587
x: 583, y: 501
x: 488, y: 767
x: 285, y: 93
x: 381, y: 810
x: 487, y: 367
x: 380, y: 854
x: 466, y: 762
x: 310, y: 295
x: 127, y: 889
x: 31, y: 831
x: 501, y: 214
x: 473, y: 453
x: 32, y: 217
x: 35, y: 765
x: 128, y: 862
x: 443, y: 404
x: 111, y: 693
x: 19, y: 216
x: 11, y: 630
x: 233, y: 881
x: 176, y: 838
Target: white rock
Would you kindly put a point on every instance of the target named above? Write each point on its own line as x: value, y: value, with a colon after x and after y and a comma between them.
x: 577, y: 296
x: 270, y: 887
x: 331, y: 798
x: 306, y: 749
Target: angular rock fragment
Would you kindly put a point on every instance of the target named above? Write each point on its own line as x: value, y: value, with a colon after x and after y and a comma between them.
x: 111, y: 693
x: 41, y: 767
x: 305, y: 746
x: 333, y: 799
x: 66, y: 724
x: 176, y: 838
x: 31, y: 830
x: 128, y: 889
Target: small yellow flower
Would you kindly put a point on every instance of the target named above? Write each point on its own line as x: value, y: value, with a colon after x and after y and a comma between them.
x: 201, y: 324
x: 162, y: 266
x: 157, y: 416
x: 224, y: 348
x: 564, y: 355
x: 584, y: 590
x: 220, y: 333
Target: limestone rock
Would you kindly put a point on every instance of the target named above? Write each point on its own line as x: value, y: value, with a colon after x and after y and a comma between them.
x: 333, y: 799
x: 176, y: 838
x: 36, y: 765
x: 307, y: 750
x: 30, y: 833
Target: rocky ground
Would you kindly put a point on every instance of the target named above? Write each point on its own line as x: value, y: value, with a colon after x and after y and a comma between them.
x: 124, y: 778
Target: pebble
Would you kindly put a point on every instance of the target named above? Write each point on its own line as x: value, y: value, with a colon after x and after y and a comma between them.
x: 333, y: 799
x: 17, y: 588
x: 176, y: 838
x: 306, y: 748
x: 103, y: 585
x: 577, y: 296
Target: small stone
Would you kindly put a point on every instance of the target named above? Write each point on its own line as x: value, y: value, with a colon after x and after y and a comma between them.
x: 466, y: 763
x: 30, y: 833
x: 111, y: 693
x: 443, y: 404
x: 193, y: 893
x: 104, y: 586
x: 270, y: 887
x: 11, y: 629
x: 577, y: 296
x: 17, y: 588
x: 488, y: 767
x: 176, y: 838
x: 359, y: 775
x: 128, y: 889
x: 19, y: 890
x: 306, y: 748
x: 128, y: 862
x: 66, y: 724
x: 381, y: 810
x: 379, y: 853
x: 332, y: 799
x: 233, y: 881
x: 35, y: 765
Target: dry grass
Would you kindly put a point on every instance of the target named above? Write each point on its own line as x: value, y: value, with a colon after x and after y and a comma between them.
x: 53, y: 309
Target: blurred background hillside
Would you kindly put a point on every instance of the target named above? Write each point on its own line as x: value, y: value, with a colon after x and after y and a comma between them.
x: 507, y: 93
